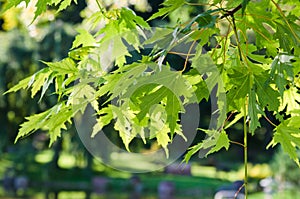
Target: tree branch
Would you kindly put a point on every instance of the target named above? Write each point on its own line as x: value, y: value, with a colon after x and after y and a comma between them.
x: 231, y: 12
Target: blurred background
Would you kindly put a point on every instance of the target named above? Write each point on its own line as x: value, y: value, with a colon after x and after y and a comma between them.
x: 30, y: 169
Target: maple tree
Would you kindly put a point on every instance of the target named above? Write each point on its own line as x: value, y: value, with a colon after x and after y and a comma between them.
x: 251, y: 67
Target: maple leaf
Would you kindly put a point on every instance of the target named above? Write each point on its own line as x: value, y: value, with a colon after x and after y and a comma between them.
x: 267, y: 96
x: 65, y: 66
x: 33, y: 123
x: 123, y: 124
x: 288, y: 136
x: 12, y: 3
x: 254, y: 112
x: 41, y: 7
x: 169, y: 6
x: 290, y: 101
x: 214, y: 142
x: 240, y: 86
x: 39, y: 80
x: 220, y: 141
x: 105, y: 117
x: 84, y: 38
x: 23, y: 84
x: 282, y: 72
x: 64, y: 4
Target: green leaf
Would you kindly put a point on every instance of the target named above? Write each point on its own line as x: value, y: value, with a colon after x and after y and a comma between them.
x: 289, y: 138
x: 81, y: 94
x: 84, y: 38
x: 206, y: 20
x: 233, y: 3
x: 290, y: 100
x: 169, y: 6
x: 172, y: 80
x: 41, y: 7
x: 267, y: 96
x: 158, y: 127
x: 241, y: 85
x: 132, y: 20
x: 112, y: 40
x: 64, y: 4
x: 192, y: 150
x: 160, y: 37
x: 282, y: 71
x: 151, y: 99
x: 123, y: 124
x: 40, y: 79
x: 46, y: 85
x: 58, y: 121
x: 127, y: 78
x: 105, y: 117
x: 262, y: 25
x: 288, y: 33
x: 36, y: 81
x: 12, y: 3
x: 214, y: 142
x: 199, y: 85
x: 23, y: 84
x: 254, y: 112
x: 49, y: 120
x: 221, y: 141
x: 204, y: 64
x: 173, y: 108
x: 163, y: 139
x: 33, y: 123
x: 65, y: 66
x: 244, y: 5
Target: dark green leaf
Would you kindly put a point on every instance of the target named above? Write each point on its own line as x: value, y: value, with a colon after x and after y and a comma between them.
x: 254, y: 112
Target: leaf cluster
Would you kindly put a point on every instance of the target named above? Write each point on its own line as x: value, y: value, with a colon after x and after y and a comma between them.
x: 251, y: 66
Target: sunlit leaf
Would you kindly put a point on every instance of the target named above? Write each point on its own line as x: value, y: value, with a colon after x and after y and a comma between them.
x: 84, y: 38
x: 169, y: 6
x: 289, y: 138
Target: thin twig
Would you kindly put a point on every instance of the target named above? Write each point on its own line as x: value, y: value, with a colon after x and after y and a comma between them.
x: 237, y: 143
x: 198, y: 4
x: 270, y: 121
x: 183, y: 54
x: 238, y: 191
x: 231, y: 12
x: 237, y: 37
x: 285, y: 19
x: 187, y: 56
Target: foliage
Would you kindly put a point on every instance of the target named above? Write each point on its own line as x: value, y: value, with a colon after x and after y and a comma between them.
x: 254, y: 46
x: 286, y: 170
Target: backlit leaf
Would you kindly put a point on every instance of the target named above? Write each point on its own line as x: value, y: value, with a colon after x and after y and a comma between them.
x: 169, y: 6
x: 105, y: 117
x: 289, y: 138
x: 84, y: 38
x: 222, y: 141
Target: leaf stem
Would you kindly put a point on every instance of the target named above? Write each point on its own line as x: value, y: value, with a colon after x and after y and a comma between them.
x: 198, y: 4
x: 238, y: 191
x: 99, y: 5
x: 236, y: 37
x: 179, y: 53
x: 187, y: 56
x: 245, y: 153
x: 237, y: 143
x: 270, y: 121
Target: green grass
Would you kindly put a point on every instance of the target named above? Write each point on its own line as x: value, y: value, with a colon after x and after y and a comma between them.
x: 287, y: 194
